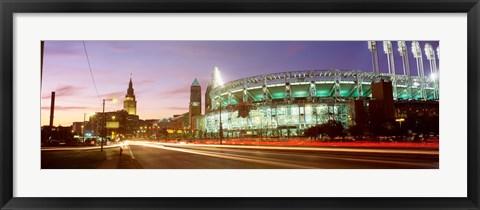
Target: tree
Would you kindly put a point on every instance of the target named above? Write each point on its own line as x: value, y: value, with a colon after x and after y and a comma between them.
x: 311, y: 132
x: 355, y: 130
x: 163, y: 133
x: 333, y: 129
x: 391, y: 130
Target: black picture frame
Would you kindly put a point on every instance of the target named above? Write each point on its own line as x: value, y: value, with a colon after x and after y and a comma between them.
x: 10, y: 7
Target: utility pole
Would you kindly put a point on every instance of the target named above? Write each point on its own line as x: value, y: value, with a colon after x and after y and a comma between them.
x: 104, y: 134
x: 52, y: 112
x: 103, y: 127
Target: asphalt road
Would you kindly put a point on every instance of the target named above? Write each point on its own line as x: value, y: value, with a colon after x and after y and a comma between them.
x: 177, y: 156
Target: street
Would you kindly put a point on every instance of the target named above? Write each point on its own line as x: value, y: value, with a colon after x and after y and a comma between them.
x: 189, y: 156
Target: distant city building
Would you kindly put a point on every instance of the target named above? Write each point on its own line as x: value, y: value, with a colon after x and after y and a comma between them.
x: 198, y: 126
x: 381, y: 103
x: 413, y: 114
x: 130, y: 103
x: 118, y: 123
x: 77, y: 128
x: 121, y: 123
x: 58, y: 133
x: 172, y: 127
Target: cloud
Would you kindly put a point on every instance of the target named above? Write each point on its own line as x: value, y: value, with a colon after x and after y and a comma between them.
x: 66, y: 107
x: 119, y: 47
x: 295, y: 48
x: 118, y: 95
x: 176, y: 92
x: 176, y: 108
x: 193, y: 49
x: 146, y: 81
x: 64, y: 90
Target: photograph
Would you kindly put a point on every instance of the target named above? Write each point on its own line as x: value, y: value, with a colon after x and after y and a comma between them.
x: 249, y: 105
x: 240, y: 104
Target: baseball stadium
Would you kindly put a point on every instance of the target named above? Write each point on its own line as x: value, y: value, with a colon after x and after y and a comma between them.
x: 287, y: 103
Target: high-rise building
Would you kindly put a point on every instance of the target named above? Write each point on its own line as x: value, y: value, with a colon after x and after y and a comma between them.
x: 195, y: 107
x: 130, y: 104
x: 381, y: 104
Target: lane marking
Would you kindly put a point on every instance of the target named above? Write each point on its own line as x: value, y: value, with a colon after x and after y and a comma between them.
x: 131, y: 154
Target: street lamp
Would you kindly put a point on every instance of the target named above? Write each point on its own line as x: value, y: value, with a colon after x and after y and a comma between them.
x: 112, y: 130
x: 104, y: 125
x: 221, y: 127
x: 400, y: 120
x: 83, y: 130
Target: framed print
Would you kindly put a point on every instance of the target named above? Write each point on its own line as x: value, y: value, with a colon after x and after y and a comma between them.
x: 239, y: 105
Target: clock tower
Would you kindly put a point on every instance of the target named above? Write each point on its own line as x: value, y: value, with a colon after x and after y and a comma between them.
x: 130, y: 104
x: 195, y: 107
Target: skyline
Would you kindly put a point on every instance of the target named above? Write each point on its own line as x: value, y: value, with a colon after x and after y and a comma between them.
x: 164, y: 70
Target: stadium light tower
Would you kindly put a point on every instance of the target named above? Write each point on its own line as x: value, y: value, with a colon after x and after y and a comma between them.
x: 266, y: 94
x: 312, y: 90
x: 402, y: 49
x: 216, y: 79
x: 220, y: 132
x: 245, y: 93
x: 430, y: 54
x: 438, y: 52
x: 417, y: 54
x: 388, y: 49
x: 372, y: 46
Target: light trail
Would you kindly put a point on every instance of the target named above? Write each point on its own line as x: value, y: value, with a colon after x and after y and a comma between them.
x: 357, y: 159
x: 272, y: 161
x: 333, y: 149
x: 267, y: 161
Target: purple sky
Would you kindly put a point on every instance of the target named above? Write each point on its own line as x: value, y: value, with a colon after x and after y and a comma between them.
x: 164, y: 70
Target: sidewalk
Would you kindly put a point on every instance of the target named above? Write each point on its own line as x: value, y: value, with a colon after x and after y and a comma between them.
x: 112, y: 161
x: 115, y: 161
